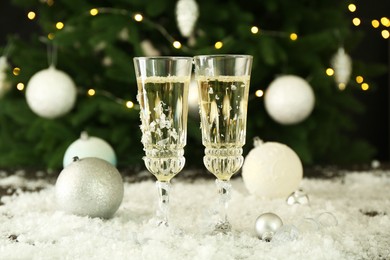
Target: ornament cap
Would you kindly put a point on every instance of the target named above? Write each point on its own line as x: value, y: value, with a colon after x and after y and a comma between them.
x: 84, y: 135
x: 267, y: 236
x: 257, y: 141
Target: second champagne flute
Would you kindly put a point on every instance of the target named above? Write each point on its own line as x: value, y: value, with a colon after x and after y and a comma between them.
x: 163, y: 84
x: 223, y: 82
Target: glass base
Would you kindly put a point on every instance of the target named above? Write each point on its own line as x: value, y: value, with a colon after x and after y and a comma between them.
x: 222, y: 228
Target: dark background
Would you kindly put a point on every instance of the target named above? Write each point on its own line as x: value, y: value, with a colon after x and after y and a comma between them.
x: 373, y: 125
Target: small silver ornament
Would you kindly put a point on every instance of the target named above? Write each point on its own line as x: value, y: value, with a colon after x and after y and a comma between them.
x: 342, y: 65
x: 187, y: 13
x: 298, y: 197
x: 89, y: 187
x: 266, y: 225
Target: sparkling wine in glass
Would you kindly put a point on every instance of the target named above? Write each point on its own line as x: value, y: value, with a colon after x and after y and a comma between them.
x: 223, y: 82
x: 163, y: 84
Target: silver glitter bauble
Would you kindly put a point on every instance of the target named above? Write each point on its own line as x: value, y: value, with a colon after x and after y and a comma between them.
x: 266, y: 225
x: 89, y: 187
x: 298, y: 197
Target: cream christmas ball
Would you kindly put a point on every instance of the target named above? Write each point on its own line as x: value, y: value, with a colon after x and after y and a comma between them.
x: 89, y: 187
x: 272, y: 170
x: 289, y: 99
x: 89, y: 146
x: 51, y: 93
x: 5, y: 85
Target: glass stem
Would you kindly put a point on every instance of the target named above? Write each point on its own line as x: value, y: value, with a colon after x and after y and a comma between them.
x: 224, y: 191
x: 162, y: 213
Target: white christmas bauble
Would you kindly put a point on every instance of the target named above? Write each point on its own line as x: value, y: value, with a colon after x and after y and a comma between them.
x: 89, y: 146
x: 148, y: 48
x: 342, y: 65
x: 89, y: 187
x: 272, y: 170
x: 51, y: 93
x: 186, y: 15
x: 193, y: 97
x: 289, y: 99
x: 5, y: 85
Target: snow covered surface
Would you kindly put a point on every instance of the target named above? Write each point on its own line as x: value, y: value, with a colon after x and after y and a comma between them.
x: 348, y: 218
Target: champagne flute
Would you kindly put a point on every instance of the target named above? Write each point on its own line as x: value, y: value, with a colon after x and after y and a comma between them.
x: 163, y: 84
x: 223, y: 83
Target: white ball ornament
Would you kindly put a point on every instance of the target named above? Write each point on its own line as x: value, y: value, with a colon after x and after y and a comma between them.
x: 89, y: 187
x: 89, y: 146
x: 271, y: 170
x: 51, y: 93
x: 193, y: 98
x: 289, y: 99
x: 5, y: 85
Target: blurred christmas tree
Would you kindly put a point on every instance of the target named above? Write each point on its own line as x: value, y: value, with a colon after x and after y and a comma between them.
x: 94, y: 43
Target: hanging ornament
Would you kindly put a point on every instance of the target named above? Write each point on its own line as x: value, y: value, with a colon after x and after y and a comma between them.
x: 193, y: 97
x: 289, y: 99
x: 5, y: 85
x: 148, y: 48
x: 89, y: 187
x: 298, y: 197
x: 342, y: 65
x: 267, y: 225
x: 327, y: 219
x: 51, y: 93
x: 89, y: 146
x: 271, y: 170
x: 187, y: 13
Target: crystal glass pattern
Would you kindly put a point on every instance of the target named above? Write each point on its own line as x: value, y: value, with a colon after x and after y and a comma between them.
x: 223, y: 83
x: 163, y: 84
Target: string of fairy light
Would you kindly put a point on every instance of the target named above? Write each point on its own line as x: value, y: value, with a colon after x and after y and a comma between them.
x: 381, y: 24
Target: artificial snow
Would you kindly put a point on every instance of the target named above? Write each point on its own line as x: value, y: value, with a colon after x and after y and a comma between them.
x: 348, y: 218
